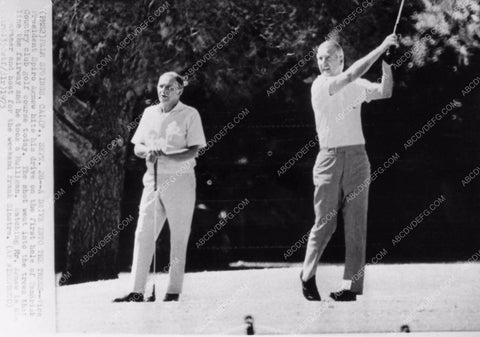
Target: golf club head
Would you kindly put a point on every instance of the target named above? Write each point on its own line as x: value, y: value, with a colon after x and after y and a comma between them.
x: 152, y: 298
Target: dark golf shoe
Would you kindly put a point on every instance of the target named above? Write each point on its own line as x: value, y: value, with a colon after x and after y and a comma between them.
x: 132, y: 297
x: 171, y: 297
x: 344, y: 296
x: 309, y: 289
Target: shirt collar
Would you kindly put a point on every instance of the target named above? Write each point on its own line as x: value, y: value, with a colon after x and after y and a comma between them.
x: 179, y: 106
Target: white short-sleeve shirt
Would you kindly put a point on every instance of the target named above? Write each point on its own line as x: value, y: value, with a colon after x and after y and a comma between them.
x: 178, y: 129
x: 337, y: 117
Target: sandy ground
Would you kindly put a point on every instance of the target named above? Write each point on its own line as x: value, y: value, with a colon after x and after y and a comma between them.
x: 429, y: 297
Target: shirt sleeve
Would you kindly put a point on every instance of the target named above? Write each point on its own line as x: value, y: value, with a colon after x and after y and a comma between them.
x: 139, y: 136
x: 368, y: 88
x: 195, y: 135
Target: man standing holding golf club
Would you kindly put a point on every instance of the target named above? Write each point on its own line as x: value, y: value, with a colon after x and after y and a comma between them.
x: 168, y: 137
x: 342, y: 163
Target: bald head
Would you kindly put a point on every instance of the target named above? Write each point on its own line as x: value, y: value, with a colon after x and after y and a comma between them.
x: 170, y: 88
x: 331, y: 45
x: 330, y: 58
x: 176, y: 77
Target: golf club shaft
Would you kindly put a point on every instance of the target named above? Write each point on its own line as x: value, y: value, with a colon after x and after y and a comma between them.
x: 154, y: 224
x: 390, y: 50
x: 398, y: 16
x: 155, y: 175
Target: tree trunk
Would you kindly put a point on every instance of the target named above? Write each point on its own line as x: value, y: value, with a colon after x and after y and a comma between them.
x: 93, y: 226
x: 92, y: 253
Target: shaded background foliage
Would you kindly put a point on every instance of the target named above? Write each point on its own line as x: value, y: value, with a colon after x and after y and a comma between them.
x: 273, y: 36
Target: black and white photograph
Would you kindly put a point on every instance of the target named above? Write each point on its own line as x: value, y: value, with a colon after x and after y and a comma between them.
x: 242, y: 167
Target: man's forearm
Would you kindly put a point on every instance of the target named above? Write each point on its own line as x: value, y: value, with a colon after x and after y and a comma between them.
x: 187, y: 155
x: 361, y: 66
x: 386, y: 86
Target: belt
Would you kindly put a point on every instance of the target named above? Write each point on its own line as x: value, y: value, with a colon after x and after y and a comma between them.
x: 344, y: 148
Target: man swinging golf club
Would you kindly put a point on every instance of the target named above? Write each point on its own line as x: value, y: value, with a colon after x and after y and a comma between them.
x: 168, y: 137
x: 342, y: 163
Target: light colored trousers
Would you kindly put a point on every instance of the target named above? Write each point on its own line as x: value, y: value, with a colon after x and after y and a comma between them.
x: 175, y: 200
x: 341, y: 178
